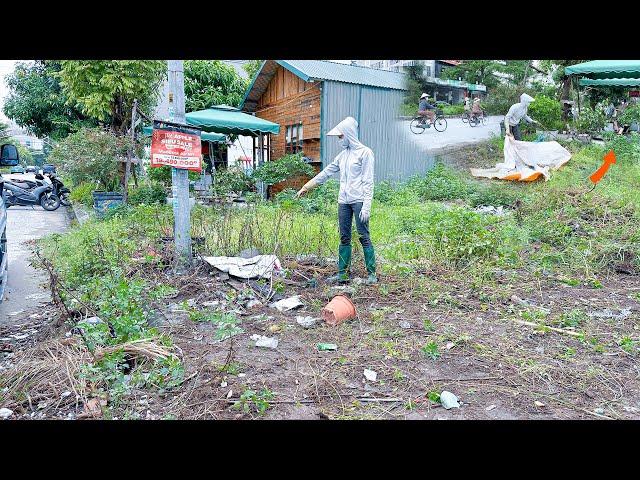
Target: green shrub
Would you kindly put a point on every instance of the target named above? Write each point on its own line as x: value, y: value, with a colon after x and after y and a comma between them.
x: 493, y: 194
x: 276, y: 171
x: 148, y: 194
x: 590, y: 121
x: 232, y: 180
x: 163, y: 175
x: 547, y: 111
x: 626, y: 147
x: 453, y: 109
x: 630, y: 115
x: 409, y: 109
x: 91, y: 155
x: 83, y: 194
x: 440, y: 183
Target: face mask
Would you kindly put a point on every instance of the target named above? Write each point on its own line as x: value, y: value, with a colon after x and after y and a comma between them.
x: 344, y: 142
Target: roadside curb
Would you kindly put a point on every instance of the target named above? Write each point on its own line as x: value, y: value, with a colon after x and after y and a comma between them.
x: 80, y: 213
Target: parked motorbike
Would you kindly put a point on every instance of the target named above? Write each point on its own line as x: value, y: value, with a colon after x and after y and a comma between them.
x: 59, y: 189
x: 28, y: 192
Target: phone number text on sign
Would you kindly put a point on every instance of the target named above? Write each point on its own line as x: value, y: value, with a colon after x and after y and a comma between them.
x: 176, y: 149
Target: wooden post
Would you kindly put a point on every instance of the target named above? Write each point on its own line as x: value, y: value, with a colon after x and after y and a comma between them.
x: 179, y: 176
x: 127, y: 171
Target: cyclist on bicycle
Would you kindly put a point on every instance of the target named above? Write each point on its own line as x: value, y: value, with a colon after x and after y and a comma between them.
x: 476, y: 110
x: 425, y: 109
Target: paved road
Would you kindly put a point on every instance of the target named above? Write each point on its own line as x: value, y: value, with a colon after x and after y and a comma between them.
x: 25, y: 286
x: 456, y: 134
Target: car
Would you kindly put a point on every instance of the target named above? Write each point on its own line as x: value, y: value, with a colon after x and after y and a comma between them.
x: 48, y: 168
x: 17, y: 169
x: 31, y: 169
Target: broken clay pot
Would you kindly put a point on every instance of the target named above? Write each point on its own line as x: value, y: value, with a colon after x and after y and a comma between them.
x: 339, y: 309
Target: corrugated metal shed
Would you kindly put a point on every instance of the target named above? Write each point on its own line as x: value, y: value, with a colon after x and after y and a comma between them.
x: 310, y: 70
x: 397, y: 157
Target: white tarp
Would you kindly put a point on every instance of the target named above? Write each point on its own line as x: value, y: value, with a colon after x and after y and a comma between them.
x: 259, y: 266
x: 526, y: 161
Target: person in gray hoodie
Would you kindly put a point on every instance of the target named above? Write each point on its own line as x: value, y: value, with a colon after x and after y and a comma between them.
x: 517, y: 112
x: 355, y: 164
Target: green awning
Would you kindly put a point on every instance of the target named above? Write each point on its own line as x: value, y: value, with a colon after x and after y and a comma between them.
x: 610, y: 82
x: 598, y: 69
x: 206, y: 136
x: 225, y: 119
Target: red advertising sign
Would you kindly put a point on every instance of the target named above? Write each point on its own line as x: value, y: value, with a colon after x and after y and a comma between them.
x: 634, y: 93
x: 176, y: 146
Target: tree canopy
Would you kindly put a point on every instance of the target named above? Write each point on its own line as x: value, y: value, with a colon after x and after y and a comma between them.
x: 105, y: 89
x: 211, y: 82
x: 36, y: 101
x: 252, y: 67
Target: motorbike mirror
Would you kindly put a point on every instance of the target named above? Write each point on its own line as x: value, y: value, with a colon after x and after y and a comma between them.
x: 9, y: 155
x: 39, y: 176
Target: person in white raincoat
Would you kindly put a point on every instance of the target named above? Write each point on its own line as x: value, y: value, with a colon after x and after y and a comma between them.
x: 517, y: 112
x: 355, y: 164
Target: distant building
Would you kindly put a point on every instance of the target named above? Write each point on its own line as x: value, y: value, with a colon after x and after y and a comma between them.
x: 35, y: 144
x: 451, y: 91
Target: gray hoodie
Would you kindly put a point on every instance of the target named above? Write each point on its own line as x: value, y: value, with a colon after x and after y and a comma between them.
x: 518, y: 111
x: 355, y: 164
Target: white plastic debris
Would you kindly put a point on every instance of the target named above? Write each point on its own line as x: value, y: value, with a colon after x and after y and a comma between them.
x: 65, y: 394
x: 490, y: 407
x: 253, y: 303
x: 599, y: 411
x: 449, y: 345
x: 306, y: 322
x: 490, y: 209
x: 404, y: 324
x: 5, y: 413
x: 230, y: 394
x: 242, y: 375
x: 267, y: 342
x: 223, y: 384
x: 259, y: 266
x: 287, y: 304
x: 449, y: 400
x: 370, y: 375
x: 538, y: 404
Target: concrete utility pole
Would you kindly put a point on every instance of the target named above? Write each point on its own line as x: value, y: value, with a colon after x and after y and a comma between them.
x: 179, y: 176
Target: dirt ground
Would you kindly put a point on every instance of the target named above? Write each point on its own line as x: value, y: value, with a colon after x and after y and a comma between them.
x: 477, y: 335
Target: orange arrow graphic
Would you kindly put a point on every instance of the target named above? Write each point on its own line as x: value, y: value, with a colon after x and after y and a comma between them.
x: 609, y: 159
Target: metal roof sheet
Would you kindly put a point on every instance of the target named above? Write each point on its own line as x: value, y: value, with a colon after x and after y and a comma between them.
x: 322, y: 70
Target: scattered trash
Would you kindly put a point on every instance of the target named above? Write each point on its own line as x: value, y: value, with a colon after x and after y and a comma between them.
x: 449, y: 345
x: 490, y: 209
x: 607, y: 313
x: 65, y: 394
x: 249, y: 253
x: 490, y: 407
x: 253, y: 303
x: 449, y: 400
x: 540, y: 350
x: 287, y: 304
x: 306, y: 322
x: 213, y: 303
x: 327, y: 346
x: 339, y: 309
x: 274, y: 328
x: 599, y: 411
x: 92, y: 320
x: 5, y: 413
x: 242, y: 375
x: 370, y: 375
x: 338, y: 289
x: 538, y: 404
x: 404, y: 324
x: 230, y: 394
x: 267, y: 342
x: 259, y: 266
x: 223, y: 383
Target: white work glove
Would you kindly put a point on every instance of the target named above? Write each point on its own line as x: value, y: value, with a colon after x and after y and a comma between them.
x: 306, y: 187
x: 365, y: 212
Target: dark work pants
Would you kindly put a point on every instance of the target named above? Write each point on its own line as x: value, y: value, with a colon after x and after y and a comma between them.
x: 515, y: 129
x: 346, y: 211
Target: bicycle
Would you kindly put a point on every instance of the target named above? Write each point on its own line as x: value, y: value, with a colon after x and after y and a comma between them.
x: 419, y: 123
x: 475, y: 119
x: 465, y: 117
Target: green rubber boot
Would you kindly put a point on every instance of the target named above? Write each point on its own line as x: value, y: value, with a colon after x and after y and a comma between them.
x: 344, y: 260
x: 370, y: 263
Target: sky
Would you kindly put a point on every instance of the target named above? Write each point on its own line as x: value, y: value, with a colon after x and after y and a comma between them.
x: 6, y: 66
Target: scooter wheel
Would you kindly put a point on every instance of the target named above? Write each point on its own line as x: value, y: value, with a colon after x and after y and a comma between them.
x: 50, y: 202
x: 64, y: 199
